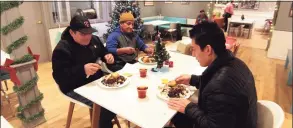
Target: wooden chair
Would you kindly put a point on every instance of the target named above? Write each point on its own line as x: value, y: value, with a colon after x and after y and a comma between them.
x: 236, y: 47
x: 71, y: 108
x: 4, y: 76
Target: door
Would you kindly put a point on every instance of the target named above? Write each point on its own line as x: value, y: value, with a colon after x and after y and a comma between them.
x: 35, y: 30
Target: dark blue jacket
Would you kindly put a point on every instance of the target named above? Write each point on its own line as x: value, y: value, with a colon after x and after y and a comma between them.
x: 117, y: 39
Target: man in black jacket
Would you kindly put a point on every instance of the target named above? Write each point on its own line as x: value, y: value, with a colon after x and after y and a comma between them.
x: 74, y: 62
x: 227, y: 94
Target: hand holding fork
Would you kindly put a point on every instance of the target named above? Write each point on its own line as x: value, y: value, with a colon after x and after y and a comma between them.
x: 92, y: 68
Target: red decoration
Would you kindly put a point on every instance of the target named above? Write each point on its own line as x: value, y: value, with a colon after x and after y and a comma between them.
x: 167, y: 62
x: 171, y: 64
x: 36, y: 57
x: 12, y: 71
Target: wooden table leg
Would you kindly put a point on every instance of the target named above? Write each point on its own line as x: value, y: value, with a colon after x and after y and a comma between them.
x: 96, y: 115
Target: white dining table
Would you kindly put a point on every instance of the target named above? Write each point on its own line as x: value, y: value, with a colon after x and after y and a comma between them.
x: 157, y: 22
x: 5, y: 123
x: 242, y: 22
x: 150, y: 112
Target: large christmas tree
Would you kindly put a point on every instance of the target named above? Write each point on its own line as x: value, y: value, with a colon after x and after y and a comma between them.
x: 125, y: 6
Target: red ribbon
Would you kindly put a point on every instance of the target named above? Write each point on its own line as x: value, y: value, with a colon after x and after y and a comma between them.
x: 36, y: 57
x: 12, y: 71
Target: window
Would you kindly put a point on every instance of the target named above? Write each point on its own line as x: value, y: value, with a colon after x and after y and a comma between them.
x: 63, y: 11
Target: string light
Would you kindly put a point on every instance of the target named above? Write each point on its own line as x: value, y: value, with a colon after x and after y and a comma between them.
x: 209, y: 9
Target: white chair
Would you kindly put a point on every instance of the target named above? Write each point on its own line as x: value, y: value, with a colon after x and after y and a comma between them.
x: 270, y: 114
x: 246, y: 30
x: 150, y: 30
x: 71, y: 108
x: 235, y: 29
x: 172, y: 29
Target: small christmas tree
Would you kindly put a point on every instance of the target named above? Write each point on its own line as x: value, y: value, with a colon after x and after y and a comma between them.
x: 125, y: 6
x: 161, y: 54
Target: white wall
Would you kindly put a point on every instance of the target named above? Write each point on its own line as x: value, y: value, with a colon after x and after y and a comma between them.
x: 282, y: 35
x: 281, y: 41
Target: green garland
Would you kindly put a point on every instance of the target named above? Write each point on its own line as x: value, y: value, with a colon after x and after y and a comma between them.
x: 38, y: 99
x: 12, y: 26
x: 16, y: 44
x: 23, y: 59
x: 26, y: 58
x: 31, y: 118
x: 27, y: 86
x: 8, y: 5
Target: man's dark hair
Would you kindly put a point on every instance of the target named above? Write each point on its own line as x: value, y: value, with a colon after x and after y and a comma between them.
x: 209, y: 33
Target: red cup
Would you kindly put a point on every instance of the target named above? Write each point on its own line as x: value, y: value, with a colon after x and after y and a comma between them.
x: 170, y: 64
x: 167, y: 62
x: 141, y: 90
x: 143, y: 72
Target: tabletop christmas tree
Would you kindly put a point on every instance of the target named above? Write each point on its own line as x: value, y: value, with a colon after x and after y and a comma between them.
x: 160, y: 53
x: 125, y: 6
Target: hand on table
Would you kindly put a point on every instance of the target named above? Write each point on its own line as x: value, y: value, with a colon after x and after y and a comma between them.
x: 178, y: 104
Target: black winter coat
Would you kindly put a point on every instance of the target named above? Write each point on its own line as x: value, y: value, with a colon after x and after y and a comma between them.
x: 227, y: 95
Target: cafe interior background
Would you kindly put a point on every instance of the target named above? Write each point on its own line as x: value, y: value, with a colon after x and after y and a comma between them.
x: 263, y: 40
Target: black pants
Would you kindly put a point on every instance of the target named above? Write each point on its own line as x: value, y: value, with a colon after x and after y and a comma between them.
x: 106, y: 116
x: 182, y: 121
x: 226, y: 16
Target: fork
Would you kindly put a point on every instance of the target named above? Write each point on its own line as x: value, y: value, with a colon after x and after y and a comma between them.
x: 98, y: 61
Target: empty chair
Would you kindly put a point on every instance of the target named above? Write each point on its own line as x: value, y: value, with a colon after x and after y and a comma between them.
x: 270, y: 114
x: 172, y: 29
x: 235, y: 30
x: 150, y: 30
x: 246, y: 30
x: 236, y: 47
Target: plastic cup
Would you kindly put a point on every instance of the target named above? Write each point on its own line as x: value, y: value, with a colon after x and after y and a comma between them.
x: 142, y: 90
x: 171, y: 64
x: 143, y: 72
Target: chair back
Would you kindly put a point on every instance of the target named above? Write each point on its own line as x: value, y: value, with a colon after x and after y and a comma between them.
x: 173, y: 25
x: 270, y: 114
x: 149, y: 28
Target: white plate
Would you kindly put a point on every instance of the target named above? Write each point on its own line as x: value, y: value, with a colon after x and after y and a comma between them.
x: 167, y: 98
x: 140, y: 61
x: 126, y: 82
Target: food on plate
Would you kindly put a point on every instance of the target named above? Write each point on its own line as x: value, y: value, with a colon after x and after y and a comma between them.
x: 174, y: 91
x: 127, y: 74
x: 172, y: 83
x: 148, y: 59
x: 113, y: 80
